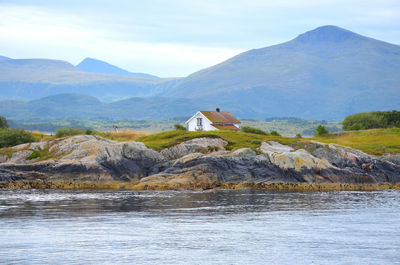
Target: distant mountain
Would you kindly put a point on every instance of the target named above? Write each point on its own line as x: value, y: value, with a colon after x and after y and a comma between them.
x: 36, y: 78
x: 91, y: 65
x: 4, y: 58
x: 325, y: 73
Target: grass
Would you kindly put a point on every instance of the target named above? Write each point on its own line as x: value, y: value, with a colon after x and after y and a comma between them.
x: 39, y: 137
x: 6, y: 151
x: 42, y: 154
x: 123, y: 135
x: 374, y: 141
x: 235, y: 140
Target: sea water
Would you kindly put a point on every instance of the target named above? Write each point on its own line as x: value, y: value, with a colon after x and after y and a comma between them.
x: 208, y: 227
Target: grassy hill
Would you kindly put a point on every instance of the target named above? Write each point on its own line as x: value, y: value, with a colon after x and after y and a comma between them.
x: 374, y: 141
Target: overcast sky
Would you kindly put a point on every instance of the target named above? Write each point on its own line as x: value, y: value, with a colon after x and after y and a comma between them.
x: 177, y: 37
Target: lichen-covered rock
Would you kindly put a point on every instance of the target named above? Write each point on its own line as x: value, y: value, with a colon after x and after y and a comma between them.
x: 286, y: 157
x: 203, y: 145
x: 274, y: 147
x: 127, y: 161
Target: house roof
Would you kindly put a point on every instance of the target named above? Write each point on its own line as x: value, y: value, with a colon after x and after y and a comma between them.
x: 220, y: 117
x: 225, y: 127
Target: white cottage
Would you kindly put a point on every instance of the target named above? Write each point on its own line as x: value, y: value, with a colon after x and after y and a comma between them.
x: 212, y: 120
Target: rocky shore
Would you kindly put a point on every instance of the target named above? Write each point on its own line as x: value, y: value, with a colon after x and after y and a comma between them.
x: 92, y: 162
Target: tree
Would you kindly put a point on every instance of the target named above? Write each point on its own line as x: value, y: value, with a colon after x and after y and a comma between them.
x: 3, y: 122
x: 321, y: 130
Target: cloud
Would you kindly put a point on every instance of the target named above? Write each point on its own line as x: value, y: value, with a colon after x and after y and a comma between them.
x: 38, y: 32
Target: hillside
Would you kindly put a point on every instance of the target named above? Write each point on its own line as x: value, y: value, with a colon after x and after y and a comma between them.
x: 326, y: 73
x: 91, y: 65
x: 374, y: 141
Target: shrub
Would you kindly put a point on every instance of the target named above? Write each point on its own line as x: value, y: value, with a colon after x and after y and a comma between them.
x: 275, y: 133
x: 69, y: 132
x: 179, y: 127
x: 3, y: 122
x: 89, y: 131
x: 256, y: 142
x: 248, y: 129
x: 299, y: 136
x: 11, y: 137
x: 321, y: 130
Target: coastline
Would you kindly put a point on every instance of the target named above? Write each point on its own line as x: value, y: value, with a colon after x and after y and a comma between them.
x: 137, y: 186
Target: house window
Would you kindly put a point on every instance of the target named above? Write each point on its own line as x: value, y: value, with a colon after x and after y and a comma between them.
x: 199, y: 122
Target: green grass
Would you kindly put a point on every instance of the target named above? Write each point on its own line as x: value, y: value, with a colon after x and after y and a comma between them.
x: 42, y: 154
x: 374, y: 141
x: 235, y: 140
x: 7, y: 151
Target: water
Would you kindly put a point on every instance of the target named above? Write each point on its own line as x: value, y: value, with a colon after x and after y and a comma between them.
x: 212, y: 227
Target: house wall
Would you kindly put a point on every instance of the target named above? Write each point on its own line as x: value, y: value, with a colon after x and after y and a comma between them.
x: 192, y: 124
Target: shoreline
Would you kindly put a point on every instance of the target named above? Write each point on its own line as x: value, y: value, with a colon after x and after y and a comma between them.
x: 136, y: 186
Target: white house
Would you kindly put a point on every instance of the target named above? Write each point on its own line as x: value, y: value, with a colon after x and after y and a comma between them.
x: 212, y: 120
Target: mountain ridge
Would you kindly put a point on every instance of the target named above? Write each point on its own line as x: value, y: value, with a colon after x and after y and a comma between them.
x: 92, y: 65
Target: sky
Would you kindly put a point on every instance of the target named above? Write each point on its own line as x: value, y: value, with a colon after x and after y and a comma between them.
x: 177, y: 37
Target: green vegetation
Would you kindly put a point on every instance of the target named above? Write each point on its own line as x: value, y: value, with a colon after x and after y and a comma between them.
x: 273, y: 132
x: 178, y: 126
x: 321, y: 130
x: 3, y: 122
x: 69, y: 132
x: 248, y: 129
x: 11, y: 137
x: 374, y: 141
x: 7, y: 151
x: 235, y: 140
x: 371, y: 120
x: 42, y: 154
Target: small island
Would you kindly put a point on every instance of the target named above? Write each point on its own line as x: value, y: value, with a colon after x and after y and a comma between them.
x: 200, y: 160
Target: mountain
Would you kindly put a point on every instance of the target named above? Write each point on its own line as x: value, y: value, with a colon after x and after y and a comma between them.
x: 96, y: 66
x: 35, y: 78
x: 326, y: 73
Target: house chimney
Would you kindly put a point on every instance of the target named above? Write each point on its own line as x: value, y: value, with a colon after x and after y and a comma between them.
x: 217, y: 109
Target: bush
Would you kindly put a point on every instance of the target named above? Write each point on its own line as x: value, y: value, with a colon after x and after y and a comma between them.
x: 179, y: 127
x: 299, y: 136
x: 321, y: 130
x: 69, y: 132
x: 11, y: 137
x: 371, y: 120
x: 3, y: 122
x: 89, y: 131
x: 275, y: 133
x: 248, y: 129
x: 256, y: 142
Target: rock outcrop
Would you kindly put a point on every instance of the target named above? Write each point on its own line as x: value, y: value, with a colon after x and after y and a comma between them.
x: 201, y: 163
